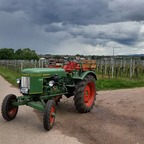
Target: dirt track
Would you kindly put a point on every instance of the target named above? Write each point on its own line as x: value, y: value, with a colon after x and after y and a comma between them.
x: 117, y: 118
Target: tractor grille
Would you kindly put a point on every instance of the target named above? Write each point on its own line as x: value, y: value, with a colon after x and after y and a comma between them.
x: 25, y: 82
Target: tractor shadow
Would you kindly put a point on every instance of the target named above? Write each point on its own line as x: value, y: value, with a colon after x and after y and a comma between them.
x: 91, y: 127
x: 62, y: 108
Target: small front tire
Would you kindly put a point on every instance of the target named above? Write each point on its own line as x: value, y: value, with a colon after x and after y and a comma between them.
x: 49, y: 115
x: 9, y: 112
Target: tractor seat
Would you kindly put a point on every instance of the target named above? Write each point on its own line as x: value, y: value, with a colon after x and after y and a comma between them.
x: 71, y: 66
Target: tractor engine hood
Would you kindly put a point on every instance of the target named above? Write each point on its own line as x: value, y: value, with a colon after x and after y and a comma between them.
x: 44, y: 72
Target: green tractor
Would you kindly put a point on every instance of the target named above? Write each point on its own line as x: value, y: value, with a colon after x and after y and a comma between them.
x: 42, y: 89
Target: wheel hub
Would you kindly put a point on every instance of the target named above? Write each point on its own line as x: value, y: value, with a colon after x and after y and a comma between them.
x: 89, y: 93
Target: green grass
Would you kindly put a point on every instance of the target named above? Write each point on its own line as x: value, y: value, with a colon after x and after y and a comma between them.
x: 9, y: 75
x: 102, y: 83
x: 109, y: 84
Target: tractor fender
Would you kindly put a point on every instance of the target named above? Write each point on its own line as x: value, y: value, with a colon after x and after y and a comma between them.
x: 84, y: 74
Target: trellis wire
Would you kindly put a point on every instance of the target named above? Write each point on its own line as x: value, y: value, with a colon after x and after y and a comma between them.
x: 108, y: 67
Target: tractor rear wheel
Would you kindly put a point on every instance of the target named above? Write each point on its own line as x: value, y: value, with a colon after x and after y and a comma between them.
x: 49, y: 115
x: 85, y: 94
x: 9, y: 112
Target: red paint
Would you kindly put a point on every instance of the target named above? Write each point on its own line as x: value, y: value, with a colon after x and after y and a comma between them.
x: 89, y: 94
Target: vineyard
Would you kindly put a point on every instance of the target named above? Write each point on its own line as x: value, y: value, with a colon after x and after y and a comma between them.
x: 120, y: 68
x: 106, y: 67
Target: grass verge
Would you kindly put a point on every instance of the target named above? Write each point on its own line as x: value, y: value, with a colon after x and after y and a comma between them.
x: 109, y: 84
x: 9, y: 75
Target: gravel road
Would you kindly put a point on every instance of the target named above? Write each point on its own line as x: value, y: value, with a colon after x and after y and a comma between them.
x: 117, y: 118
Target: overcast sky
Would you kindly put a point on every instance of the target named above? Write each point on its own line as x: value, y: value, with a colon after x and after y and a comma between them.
x: 88, y: 27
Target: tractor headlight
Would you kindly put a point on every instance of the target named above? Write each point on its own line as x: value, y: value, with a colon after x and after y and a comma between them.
x: 18, y: 81
x: 51, y: 83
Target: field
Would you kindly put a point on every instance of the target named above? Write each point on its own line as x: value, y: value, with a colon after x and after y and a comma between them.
x: 117, y: 116
x: 106, y: 67
x: 111, y: 74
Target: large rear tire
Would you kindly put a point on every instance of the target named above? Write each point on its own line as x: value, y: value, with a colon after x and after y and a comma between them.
x: 9, y: 112
x: 49, y: 115
x: 85, y: 94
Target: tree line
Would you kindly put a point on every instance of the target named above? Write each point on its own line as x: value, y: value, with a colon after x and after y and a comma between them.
x: 20, y: 54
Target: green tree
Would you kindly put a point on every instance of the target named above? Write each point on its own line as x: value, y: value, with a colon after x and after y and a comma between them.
x: 6, y: 53
x: 57, y: 56
x: 93, y: 57
x: 26, y: 54
x: 18, y: 54
x: 142, y: 57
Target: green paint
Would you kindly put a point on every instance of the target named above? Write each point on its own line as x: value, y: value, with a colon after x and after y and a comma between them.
x: 36, y: 85
x: 43, y: 72
x: 39, y: 90
x: 36, y: 105
x: 82, y: 75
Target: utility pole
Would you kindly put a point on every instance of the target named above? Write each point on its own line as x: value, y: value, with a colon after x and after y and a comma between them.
x: 113, y: 52
x: 113, y: 64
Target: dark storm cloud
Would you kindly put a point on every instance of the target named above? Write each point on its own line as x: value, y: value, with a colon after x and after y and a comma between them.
x: 56, y: 27
x: 87, y: 23
x: 50, y: 11
x: 126, y: 33
x: 79, y: 12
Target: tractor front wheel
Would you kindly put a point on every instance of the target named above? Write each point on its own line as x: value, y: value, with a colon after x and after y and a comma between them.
x: 49, y: 115
x: 9, y: 112
x: 85, y: 94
